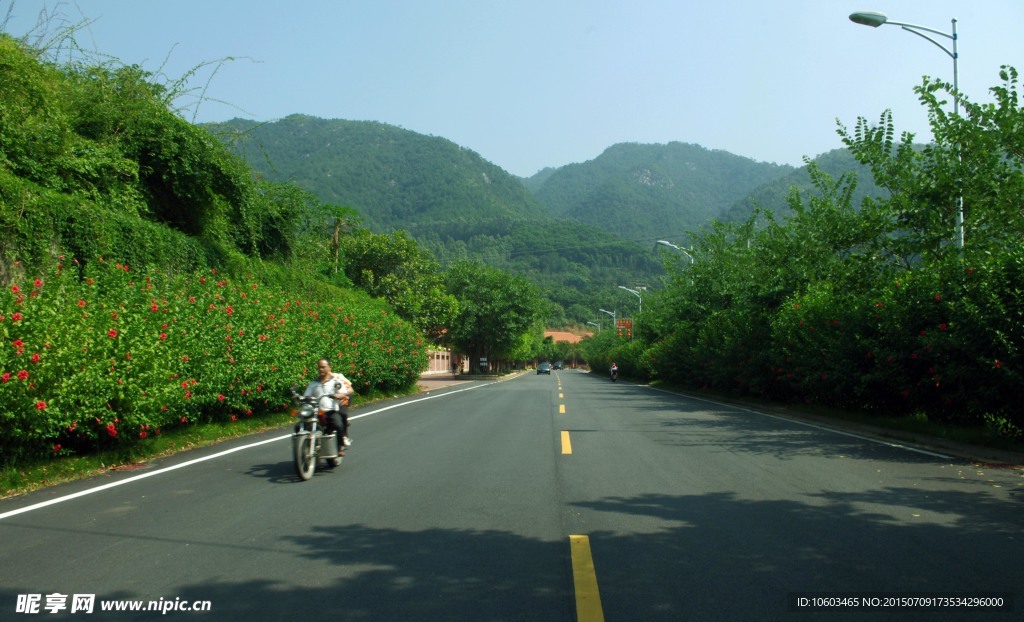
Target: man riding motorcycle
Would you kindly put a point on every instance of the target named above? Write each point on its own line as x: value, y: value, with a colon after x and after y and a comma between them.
x: 338, y: 389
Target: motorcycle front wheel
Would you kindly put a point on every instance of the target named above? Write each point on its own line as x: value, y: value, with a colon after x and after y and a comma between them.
x: 305, y: 457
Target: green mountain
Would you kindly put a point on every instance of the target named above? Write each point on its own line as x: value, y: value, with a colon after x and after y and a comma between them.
x: 772, y: 195
x: 579, y: 231
x: 394, y: 178
x: 452, y: 201
x: 653, y: 191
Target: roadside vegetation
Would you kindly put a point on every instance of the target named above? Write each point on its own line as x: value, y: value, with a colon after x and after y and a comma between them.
x: 873, y: 308
x: 154, y: 287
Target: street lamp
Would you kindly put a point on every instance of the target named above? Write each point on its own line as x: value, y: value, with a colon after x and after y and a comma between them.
x: 680, y: 249
x: 637, y: 294
x: 611, y: 313
x: 597, y: 325
x: 876, y: 19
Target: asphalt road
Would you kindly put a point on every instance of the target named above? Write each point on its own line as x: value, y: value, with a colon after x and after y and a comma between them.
x: 462, y: 505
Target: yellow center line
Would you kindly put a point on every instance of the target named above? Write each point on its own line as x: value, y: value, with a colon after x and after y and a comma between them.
x: 584, y: 578
x: 566, y: 445
x: 561, y: 409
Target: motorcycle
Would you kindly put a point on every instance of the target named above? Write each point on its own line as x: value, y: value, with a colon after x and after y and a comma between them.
x: 309, y: 443
x: 615, y: 374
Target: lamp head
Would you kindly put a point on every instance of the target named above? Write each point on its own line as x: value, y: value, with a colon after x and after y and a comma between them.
x: 869, y: 18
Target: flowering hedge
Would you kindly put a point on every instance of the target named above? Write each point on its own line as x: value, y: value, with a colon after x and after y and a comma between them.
x: 945, y: 341
x: 102, y: 355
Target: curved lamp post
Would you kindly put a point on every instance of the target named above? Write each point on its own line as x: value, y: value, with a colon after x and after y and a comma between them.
x: 876, y: 19
x: 678, y: 248
x: 597, y: 325
x: 637, y: 294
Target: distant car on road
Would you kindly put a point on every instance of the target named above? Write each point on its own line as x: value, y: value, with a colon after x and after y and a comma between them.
x: 559, y: 365
x: 544, y: 368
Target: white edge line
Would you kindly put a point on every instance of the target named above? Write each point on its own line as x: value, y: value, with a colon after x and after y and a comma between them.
x: 803, y: 423
x: 136, y: 478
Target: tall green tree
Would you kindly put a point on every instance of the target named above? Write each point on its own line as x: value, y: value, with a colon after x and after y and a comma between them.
x: 496, y: 310
x: 394, y: 267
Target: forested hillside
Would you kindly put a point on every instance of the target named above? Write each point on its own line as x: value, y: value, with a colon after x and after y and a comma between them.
x: 651, y: 191
x: 773, y: 194
x: 394, y: 178
x: 452, y: 201
x: 578, y: 232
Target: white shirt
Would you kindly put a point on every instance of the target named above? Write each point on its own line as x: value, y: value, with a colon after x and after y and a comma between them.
x: 337, y: 383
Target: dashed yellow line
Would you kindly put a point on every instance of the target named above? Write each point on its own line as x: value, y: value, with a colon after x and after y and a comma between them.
x: 561, y: 409
x: 566, y: 444
x: 584, y: 578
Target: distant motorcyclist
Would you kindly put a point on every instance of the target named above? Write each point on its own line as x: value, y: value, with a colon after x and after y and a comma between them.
x: 615, y: 371
x: 336, y: 390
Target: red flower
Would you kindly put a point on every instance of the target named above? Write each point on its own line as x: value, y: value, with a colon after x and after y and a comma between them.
x: 998, y: 364
x: 23, y: 375
x: 81, y: 303
x: 56, y: 448
x: 112, y: 333
x: 943, y: 326
x: 18, y: 343
x: 221, y: 398
x: 5, y: 377
x: 16, y: 316
x: 38, y: 283
x: 40, y: 405
x: 142, y: 434
x: 154, y: 307
x: 163, y: 336
x: 15, y: 289
x: 35, y: 357
x: 111, y: 430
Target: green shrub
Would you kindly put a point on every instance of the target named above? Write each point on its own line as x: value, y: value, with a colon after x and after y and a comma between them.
x: 119, y: 353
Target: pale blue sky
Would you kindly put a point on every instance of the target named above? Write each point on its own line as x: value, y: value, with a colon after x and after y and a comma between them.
x: 535, y: 83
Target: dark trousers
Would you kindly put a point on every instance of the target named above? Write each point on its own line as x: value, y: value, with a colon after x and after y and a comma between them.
x: 337, y: 421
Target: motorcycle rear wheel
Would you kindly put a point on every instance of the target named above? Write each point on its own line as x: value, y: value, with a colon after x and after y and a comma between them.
x: 305, y: 457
